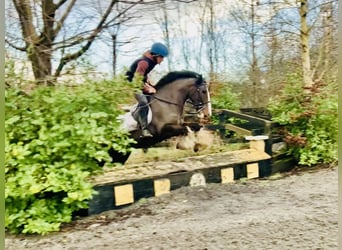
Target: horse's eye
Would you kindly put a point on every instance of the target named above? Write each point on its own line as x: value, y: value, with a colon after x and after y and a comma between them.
x: 204, y: 91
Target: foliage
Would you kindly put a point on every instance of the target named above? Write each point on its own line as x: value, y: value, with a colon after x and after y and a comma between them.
x: 12, y: 76
x: 224, y: 98
x: 54, y: 138
x: 310, y: 120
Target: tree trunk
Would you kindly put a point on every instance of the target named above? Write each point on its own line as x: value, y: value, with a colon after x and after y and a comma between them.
x: 114, y: 54
x: 167, y: 34
x: 304, y: 41
x: 40, y: 57
x: 38, y: 47
x: 255, y: 71
x: 328, y: 37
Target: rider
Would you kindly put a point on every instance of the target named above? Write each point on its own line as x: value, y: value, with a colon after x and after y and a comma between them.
x: 143, y: 66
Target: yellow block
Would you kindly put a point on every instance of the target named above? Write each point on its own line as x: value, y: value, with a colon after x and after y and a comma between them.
x: 252, y: 170
x: 162, y: 186
x: 123, y: 194
x: 257, y: 142
x: 257, y: 145
x: 227, y: 175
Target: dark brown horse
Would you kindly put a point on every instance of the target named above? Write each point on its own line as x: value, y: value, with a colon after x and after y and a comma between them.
x: 167, y: 106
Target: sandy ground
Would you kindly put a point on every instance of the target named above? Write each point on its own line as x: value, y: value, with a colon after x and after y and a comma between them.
x: 298, y: 211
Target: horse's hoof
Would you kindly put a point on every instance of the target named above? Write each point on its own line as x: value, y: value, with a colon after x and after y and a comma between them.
x: 195, y: 127
x: 145, y: 133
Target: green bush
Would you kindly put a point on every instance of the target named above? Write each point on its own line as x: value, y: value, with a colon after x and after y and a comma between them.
x: 310, y: 120
x: 54, y: 138
x: 224, y: 98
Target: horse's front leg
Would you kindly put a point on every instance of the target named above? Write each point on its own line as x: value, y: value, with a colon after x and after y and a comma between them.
x: 193, y: 126
x: 170, y: 130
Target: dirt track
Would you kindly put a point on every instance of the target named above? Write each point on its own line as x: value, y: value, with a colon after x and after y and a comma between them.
x: 295, y: 212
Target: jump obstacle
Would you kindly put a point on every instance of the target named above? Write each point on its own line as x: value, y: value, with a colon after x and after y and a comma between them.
x: 127, y: 184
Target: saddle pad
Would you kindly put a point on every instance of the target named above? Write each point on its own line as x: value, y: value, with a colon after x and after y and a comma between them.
x: 129, y: 123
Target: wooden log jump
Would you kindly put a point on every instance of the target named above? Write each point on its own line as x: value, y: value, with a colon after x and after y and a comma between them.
x: 125, y: 185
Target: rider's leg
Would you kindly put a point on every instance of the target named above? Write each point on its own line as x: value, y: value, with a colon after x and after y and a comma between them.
x: 142, y: 113
x: 142, y: 119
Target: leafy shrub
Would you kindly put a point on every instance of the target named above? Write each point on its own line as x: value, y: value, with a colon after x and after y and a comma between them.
x: 14, y: 74
x: 54, y: 138
x: 224, y: 98
x: 310, y: 119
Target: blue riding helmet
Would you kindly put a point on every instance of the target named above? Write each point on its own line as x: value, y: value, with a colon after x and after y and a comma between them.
x: 160, y: 49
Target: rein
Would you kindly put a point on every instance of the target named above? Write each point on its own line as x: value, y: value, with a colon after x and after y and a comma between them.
x: 166, y: 101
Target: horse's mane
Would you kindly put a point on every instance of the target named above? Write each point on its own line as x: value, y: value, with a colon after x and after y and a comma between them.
x: 175, y: 75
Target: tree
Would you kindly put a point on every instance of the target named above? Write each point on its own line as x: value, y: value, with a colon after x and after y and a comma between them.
x: 251, y: 27
x: 164, y: 22
x: 325, y: 46
x: 55, y: 33
x: 305, y: 28
x: 304, y: 42
x: 39, y: 45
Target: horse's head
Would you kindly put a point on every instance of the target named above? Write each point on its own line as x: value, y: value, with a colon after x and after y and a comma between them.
x: 199, y: 96
x: 179, y: 86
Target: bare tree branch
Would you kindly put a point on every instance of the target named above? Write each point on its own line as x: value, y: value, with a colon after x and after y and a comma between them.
x: 14, y: 46
x: 61, y: 21
x: 90, y: 39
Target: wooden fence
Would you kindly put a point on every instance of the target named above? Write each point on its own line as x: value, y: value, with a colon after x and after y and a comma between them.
x: 254, y: 122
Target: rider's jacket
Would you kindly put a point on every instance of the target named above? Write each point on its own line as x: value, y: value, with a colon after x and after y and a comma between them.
x: 143, y: 66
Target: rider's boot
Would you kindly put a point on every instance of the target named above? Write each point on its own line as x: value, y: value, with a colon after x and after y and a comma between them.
x: 140, y: 114
x: 142, y: 119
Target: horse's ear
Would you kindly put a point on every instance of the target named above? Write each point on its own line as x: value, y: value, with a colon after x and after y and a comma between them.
x: 200, y: 80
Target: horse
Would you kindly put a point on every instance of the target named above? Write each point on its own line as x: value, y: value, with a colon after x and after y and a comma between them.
x: 166, y: 107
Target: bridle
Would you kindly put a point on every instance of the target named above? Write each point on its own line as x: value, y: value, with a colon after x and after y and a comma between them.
x: 200, y: 105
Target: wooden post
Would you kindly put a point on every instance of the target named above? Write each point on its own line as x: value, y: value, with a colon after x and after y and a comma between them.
x: 257, y: 142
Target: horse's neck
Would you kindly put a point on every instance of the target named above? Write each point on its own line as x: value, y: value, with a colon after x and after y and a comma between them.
x: 173, y: 97
x: 176, y: 92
